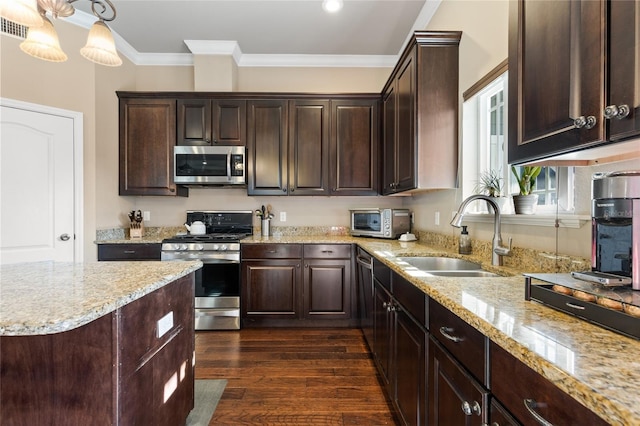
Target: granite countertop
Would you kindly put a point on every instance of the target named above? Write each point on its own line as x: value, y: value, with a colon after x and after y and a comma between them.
x: 51, y: 297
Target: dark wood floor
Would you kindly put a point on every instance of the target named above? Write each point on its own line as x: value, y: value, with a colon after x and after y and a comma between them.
x: 292, y: 377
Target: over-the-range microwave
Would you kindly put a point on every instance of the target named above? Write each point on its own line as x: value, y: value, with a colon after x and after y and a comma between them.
x: 380, y: 223
x: 209, y: 165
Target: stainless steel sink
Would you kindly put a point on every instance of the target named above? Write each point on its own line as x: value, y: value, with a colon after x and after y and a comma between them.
x: 446, y: 267
x: 434, y: 263
x: 470, y: 273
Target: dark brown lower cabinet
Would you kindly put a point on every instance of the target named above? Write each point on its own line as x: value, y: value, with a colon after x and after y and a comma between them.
x: 297, y: 285
x: 499, y: 416
x: 532, y: 398
x: 129, y: 251
x: 455, y: 397
x: 400, y: 352
x: 115, y: 370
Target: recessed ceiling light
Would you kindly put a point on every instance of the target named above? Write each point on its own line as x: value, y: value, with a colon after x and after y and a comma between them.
x: 332, y: 6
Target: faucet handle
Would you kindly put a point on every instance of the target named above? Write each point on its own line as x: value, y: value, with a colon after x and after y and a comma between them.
x: 504, y: 251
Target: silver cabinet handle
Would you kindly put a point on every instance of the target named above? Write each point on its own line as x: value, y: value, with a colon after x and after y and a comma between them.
x: 470, y: 409
x: 129, y: 251
x: 531, y: 405
x: 445, y: 332
x: 586, y: 122
x: 574, y: 306
x: 619, y: 112
x: 65, y: 237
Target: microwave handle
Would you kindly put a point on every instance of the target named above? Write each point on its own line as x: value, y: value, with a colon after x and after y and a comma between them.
x: 229, y: 165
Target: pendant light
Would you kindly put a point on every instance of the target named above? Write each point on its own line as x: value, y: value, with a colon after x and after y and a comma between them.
x: 42, y: 41
x: 23, y: 12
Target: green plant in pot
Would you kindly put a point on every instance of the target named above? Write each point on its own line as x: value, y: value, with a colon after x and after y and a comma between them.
x: 525, y: 202
x: 491, y: 184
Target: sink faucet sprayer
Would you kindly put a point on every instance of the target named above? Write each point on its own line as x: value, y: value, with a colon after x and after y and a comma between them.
x: 498, y: 250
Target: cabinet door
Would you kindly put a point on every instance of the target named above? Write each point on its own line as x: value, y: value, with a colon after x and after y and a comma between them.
x: 267, y: 138
x: 410, y: 369
x: 327, y: 289
x: 624, y: 68
x: 382, y: 334
x: 498, y: 415
x: 454, y: 396
x: 147, y: 137
x: 229, y: 122
x: 405, y: 145
x: 389, y: 140
x: 556, y: 76
x: 354, y: 147
x: 194, y: 122
x: 309, y: 147
x: 271, y: 289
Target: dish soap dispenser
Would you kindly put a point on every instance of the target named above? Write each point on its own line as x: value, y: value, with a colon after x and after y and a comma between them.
x: 464, y: 246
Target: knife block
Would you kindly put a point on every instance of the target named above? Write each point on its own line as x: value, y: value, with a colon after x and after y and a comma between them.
x: 136, y: 230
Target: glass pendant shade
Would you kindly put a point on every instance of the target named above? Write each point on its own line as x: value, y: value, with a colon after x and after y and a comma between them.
x: 100, y: 47
x: 23, y: 12
x: 42, y: 42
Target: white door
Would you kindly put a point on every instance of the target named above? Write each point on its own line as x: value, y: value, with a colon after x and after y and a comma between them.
x: 36, y: 186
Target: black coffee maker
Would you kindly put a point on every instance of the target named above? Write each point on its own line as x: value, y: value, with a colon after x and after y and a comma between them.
x: 615, y: 219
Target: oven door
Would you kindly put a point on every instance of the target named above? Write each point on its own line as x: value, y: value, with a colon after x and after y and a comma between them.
x: 217, y: 291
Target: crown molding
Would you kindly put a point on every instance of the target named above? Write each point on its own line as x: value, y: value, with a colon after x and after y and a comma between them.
x: 232, y: 48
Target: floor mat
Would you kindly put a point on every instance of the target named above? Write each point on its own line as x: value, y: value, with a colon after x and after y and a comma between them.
x: 207, y: 395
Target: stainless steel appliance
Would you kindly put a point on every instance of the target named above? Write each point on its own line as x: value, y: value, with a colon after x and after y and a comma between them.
x: 615, y: 213
x: 217, y: 284
x: 365, y: 294
x: 380, y: 223
x: 209, y: 165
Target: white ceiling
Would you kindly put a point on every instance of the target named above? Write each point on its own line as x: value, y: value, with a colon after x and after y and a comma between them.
x: 291, y: 32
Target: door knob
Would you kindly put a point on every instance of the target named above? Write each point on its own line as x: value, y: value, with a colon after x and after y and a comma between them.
x: 619, y: 112
x: 65, y: 237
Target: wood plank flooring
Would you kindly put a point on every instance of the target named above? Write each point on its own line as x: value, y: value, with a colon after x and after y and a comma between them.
x: 293, y: 377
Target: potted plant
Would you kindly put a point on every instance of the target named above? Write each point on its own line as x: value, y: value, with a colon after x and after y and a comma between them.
x: 525, y: 202
x: 491, y: 184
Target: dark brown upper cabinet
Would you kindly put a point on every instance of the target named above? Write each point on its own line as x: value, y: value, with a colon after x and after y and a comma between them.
x: 309, y: 146
x: 354, y: 147
x: 147, y: 137
x: 212, y: 122
x: 568, y: 89
x: 420, y: 115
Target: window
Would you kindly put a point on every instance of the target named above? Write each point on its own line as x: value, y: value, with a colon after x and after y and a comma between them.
x: 484, y: 148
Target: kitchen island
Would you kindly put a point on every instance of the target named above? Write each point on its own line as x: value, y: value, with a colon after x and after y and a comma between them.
x: 96, y: 343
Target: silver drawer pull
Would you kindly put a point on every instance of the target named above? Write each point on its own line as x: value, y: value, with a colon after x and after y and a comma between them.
x: 471, y: 409
x: 129, y: 251
x: 327, y: 251
x: 445, y: 332
x: 574, y: 306
x: 531, y: 405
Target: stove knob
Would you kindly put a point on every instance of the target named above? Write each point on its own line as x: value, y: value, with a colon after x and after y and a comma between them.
x: 199, y: 247
x: 215, y: 247
x: 183, y: 246
x: 223, y: 247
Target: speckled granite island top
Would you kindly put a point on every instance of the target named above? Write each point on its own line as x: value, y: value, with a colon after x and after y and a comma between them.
x: 50, y: 297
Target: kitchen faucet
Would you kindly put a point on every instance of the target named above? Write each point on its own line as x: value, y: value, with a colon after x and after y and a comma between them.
x: 498, y: 250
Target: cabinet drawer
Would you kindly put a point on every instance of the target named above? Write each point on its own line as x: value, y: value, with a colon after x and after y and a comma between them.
x: 129, y: 251
x: 146, y: 324
x: 514, y: 384
x: 271, y: 251
x: 409, y: 296
x: 327, y: 251
x: 463, y: 341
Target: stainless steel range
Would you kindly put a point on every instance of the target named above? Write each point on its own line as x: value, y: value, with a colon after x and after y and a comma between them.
x: 217, y: 289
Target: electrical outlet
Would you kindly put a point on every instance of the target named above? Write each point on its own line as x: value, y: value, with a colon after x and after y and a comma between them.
x: 146, y: 216
x: 437, y: 218
x: 283, y: 216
